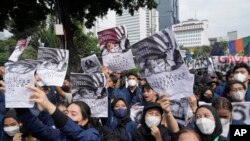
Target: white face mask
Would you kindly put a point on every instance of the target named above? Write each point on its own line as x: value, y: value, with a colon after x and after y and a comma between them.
x: 225, y: 126
x: 152, y: 121
x: 240, y: 77
x: 205, y: 125
x: 132, y: 82
x: 239, y: 96
x: 11, y: 131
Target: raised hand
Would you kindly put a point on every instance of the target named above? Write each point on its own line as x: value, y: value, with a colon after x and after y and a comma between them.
x: 156, y: 133
x: 165, y: 104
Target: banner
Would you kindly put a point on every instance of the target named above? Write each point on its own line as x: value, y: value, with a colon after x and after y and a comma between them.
x: 17, y: 76
x: 159, y: 60
x: 52, y: 72
x: 119, y: 61
x: 115, y: 46
x: 91, y: 64
x: 199, y: 63
x: 241, y: 111
x: 225, y: 63
x: 20, y: 46
x: 90, y: 88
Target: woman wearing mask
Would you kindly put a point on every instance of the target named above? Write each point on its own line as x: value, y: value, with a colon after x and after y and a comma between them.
x: 207, y: 95
x: 224, y: 108
x: 208, y: 124
x: 76, y: 126
x: 235, y: 91
x: 120, y: 123
x: 12, y: 128
x: 151, y: 128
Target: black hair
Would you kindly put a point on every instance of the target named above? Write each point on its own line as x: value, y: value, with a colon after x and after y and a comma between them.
x: 133, y: 74
x: 85, y: 111
x: 146, y: 86
x: 241, y: 65
x: 229, y: 72
x: 230, y: 84
x: 113, y: 78
x: 189, y: 130
x: 222, y: 102
x: 111, y: 137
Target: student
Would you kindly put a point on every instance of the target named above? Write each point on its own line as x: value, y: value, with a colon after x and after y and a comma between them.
x: 208, y: 124
x: 235, y: 91
x: 188, y: 134
x: 224, y: 108
x: 120, y: 122
x: 207, y: 95
x: 75, y: 126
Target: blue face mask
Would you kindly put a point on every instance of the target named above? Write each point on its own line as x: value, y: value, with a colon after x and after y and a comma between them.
x: 121, y: 112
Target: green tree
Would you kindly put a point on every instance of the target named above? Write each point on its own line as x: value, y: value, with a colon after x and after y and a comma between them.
x: 6, y: 48
x: 20, y: 15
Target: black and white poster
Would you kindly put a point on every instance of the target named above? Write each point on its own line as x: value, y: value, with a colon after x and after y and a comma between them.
x: 17, y: 76
x: 180, y: 108
x: 136, y: 114
x: 115, y: 49
x: 90, y: 88
x: 160, y: 62
x: 55, y: 63
x: 199, y: 63
x: 91, y: 64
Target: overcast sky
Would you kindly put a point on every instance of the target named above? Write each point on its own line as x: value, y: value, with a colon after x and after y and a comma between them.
x: 222, y: 15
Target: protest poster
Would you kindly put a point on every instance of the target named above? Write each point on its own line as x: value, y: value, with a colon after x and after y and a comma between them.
x: 199, y: 63
x: 160, y: 62
x: 52, y: 72
x: 241, y: 111
x: 225, y: 63
x: 91, y: 64
x: 136, y: 114
x: 115, y: 49
x: 20, y: 46
x: 17, y: 76
x: 179, y: 109
x: 90, y: 88
x: 119, y: 61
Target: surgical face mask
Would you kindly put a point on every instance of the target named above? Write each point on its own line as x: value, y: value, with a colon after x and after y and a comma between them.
x: 225, y: 126
x: 152, y: 121
x: 205, y: 125
x: 239, y: 96
x: 121, y: 112
x: 132, y: 83
x: 240, y: 77
x: 12, y: 130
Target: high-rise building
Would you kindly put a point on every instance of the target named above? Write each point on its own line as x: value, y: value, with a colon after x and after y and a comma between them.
x: 142, y: 24
x: 191, y: 33
x: 168, y: 13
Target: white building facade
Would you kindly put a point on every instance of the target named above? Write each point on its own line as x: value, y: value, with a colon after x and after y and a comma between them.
x: 139, y: 26
x: 191, y: 33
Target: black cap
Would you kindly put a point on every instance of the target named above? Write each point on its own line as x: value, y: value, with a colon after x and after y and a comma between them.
x: 151, y: 105
x: 146, y: 86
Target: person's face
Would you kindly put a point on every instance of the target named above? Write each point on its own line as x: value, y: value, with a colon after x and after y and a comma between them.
x: 111, y: 83
x: 153, y: 112
x: 120, y: 104
x: 117, y: 74
x: 74, y: 112
x: 9, y: 121
x: 109, y: 46
x: 224, y: 113
x: 188, y: 136
x: 236, y: 88
x: 132, y: 77
x: 231, y: 77
x: 149, y: 95
x: 142, y: 82
x: 204, y: 113
x: 242, y: 71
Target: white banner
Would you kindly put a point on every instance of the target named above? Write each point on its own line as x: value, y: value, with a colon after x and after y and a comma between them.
x: 90, y: 89
x: 119, y: 61
x: 199, y: 63
x: 17, y: 76
x: 52, y: 72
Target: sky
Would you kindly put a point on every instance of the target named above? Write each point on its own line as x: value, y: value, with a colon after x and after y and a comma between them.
x: 222, y: 15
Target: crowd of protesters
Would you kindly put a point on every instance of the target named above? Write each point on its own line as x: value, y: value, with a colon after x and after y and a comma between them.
x: 57, y: 117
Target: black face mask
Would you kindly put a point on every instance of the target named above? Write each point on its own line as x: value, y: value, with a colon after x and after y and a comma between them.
x: 65, y: 88
x: 207, y: 99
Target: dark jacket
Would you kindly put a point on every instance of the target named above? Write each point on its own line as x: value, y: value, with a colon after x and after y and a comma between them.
x: 122, y: 127
x: 131, y: 100
x: 67, y: 129
x: 144, y: 132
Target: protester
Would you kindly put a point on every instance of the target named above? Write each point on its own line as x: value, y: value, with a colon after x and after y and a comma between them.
x: 77, y: 126
x: 120, y: 122
x: 207, y: 95
x: 241, y: 73
x: 208, y: 124
x: 224, y: 109
x: 235, y: 91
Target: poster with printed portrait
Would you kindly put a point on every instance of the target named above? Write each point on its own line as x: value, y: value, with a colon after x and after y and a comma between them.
x: 91, y: 64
